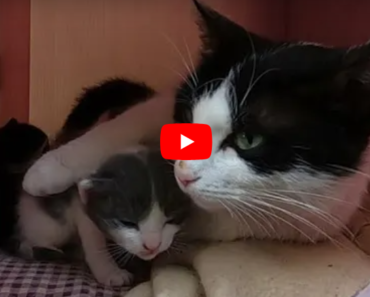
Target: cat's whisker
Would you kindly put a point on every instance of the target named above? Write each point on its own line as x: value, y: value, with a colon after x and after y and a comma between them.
x: 262, y: 217
x: 227, y: 208
x: 209, y: 82
x: 251, y: 88
x: 254, y: 57
x: 324, y: 216
x: 190, y: 73
x: 242, y: 211
x: 298, y: 219
x: 271, y: 214
x: 350, y: 170
x: 336, y: 243
x: 251, y: 208
x: 315, y: 195
x: 193, y: 72
x: 180, y: 75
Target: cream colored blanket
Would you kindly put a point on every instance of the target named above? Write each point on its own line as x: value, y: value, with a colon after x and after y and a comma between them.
x: 264, y: 269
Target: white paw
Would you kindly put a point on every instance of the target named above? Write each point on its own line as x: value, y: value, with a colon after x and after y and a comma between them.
x: 115, y: 277
x: 48, y: 176
x: 25, y: 250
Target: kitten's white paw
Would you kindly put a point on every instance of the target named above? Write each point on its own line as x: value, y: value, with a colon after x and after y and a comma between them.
x: 25, y: 250
x: 48, y: 176
x: 114, y: 277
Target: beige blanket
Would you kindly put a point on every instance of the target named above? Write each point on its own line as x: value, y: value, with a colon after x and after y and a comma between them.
x: 264, y: 269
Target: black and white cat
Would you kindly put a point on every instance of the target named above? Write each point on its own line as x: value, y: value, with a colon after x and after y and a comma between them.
x: 290, y: 125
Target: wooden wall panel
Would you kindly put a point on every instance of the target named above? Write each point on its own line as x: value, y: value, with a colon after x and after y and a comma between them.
x: 332, y: 22
x: 14, y: 59
x: 77, y: 43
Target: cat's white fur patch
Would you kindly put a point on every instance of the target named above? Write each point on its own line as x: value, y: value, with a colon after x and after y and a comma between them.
x: 214, y: 109
x: 37, y: 228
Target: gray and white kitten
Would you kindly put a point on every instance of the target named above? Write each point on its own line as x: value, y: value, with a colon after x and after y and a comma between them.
x: 132, y: 199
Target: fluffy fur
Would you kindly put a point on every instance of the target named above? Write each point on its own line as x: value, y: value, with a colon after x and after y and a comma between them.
x: 290, y: 136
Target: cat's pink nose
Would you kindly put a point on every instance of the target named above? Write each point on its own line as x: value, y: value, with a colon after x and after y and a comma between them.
x: 184, y: 175
x: 185, y: 182
x: 151, y: 248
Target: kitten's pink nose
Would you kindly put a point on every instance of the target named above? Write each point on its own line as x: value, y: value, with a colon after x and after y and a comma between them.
x: 151, y: 248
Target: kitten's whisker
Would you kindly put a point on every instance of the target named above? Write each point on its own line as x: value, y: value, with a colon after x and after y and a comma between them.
x: 179, y: 243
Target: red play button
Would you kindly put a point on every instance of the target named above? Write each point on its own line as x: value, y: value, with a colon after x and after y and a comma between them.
x: 186, y: 141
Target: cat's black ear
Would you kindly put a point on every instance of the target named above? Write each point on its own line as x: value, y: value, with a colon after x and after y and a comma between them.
x: 12, y: 123
x: 218, y: 30
x: 355, y: 64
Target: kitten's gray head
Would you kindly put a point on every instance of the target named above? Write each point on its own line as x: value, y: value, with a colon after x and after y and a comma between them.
x: 135, y: 199
x: 284, y: 117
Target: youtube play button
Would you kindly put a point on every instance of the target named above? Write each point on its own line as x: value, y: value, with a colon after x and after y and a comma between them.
x: 186, y: 141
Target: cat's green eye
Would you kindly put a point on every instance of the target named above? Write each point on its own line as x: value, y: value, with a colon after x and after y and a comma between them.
x: 248, y: 141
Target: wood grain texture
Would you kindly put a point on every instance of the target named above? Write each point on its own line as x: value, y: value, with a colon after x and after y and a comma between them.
x: 14, y: 59
x: 77, y: 43
x: 332, y: 22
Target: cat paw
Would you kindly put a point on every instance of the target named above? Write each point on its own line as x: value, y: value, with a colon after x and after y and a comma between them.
x: 116, y: 277
x: 48, y: 176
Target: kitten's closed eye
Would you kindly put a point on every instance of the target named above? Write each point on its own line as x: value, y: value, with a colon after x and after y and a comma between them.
x: 129, y: 224
x: 174, y: 221
x: 117, y: 223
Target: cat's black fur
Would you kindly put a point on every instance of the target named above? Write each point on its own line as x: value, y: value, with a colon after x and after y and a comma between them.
x: 311, y: 103
x: 20, y: 144
x: 111, y: 97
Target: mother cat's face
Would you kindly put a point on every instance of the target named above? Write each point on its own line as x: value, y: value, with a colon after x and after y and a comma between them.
x: 284, y: 117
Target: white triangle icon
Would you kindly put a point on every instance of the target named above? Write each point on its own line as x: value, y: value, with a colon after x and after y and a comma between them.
x: 185, y: 141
